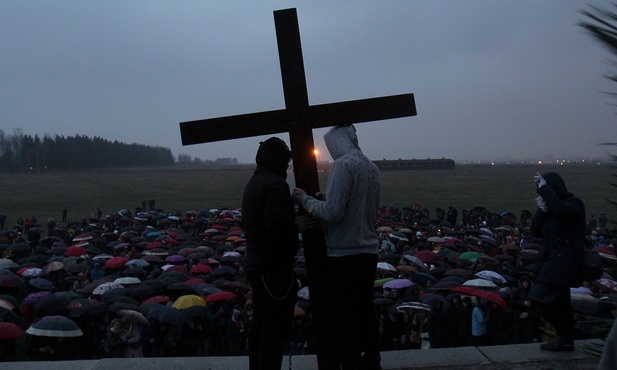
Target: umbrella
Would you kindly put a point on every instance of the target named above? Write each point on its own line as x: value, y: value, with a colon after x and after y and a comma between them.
x: 431, y: 298
x: 416, y: 305
x: 82, y: 237
x: 127, y: 280
x: 55, y: 326
x: 175, y: 258
x: 6, y: 263
x: 6, y: 304
x: 164, y: 314
x: 422, y: 278
x: 436, y: 239
x: 491, y: 276
x: 426, y: 256
x: 491, y: 297
x: 106, y: 287
x: 399, y: 236
x: 90, y: 309
x: 221, y: 296
x: 141, y: 263
x: 459, y: 272
x: 10, y: 281
x: 201, y: 269
x: 42, y: 284
x: 480, y: 283
x: 187, y: 301
x: 467, y: 290
x: 415, y: 260
x: 380, y: 282
x: 445, y: 285
x: 133, y: 316
x: 385, y: 266
x: 53, y: 266
x: 51, y: 305
x: 237, y: 285
x: 33, y: 298
x: 9, y: 330
x: 29, y: 271
x: 74, y: 251
x: 469, y: 255
x: 157, y: 299
x: 398, y: 284
x: 115, y: 262
x: 304, y: 293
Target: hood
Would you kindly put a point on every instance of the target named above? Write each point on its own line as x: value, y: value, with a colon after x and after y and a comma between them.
x: 555, y: 182
x: 273, y: 156
x: 340, y: 140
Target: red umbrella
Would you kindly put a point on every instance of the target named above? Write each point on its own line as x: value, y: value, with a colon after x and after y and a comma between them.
x: 605, y: 249
x: 154, y: 245
x: 426, y: 256
x: 194, y: 281
x: 116, y: 262
x: 75, y: 251
x: 180, y: 268
x: 201, y: 269
x: 221, y: 296
x: 491, y: 297
x: 463, y: 290
x: 10, y: 281
x: 157, y: 299
x: 8, y: 330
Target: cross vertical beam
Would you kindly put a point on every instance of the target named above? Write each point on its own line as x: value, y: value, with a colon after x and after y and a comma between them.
x: 296, y: 99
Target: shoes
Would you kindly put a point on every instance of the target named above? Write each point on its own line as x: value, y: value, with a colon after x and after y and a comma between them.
x: 558, y: 344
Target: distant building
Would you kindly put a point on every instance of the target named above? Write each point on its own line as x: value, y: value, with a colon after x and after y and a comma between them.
x: 415, y: 164
x: 226, y: 161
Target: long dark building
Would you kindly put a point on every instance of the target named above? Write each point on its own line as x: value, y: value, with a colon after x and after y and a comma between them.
x: 414, y: 164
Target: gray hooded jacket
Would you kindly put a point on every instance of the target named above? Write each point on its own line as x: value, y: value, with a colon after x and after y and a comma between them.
x: 352, y: 197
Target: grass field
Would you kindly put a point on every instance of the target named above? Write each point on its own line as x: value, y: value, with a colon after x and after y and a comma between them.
x: 497, y: 188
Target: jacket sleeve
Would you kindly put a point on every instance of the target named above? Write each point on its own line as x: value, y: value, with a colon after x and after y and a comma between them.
x: 333, y: 208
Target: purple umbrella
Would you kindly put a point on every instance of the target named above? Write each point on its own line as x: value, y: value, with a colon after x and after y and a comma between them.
x: 175, y: 258
x: 33, y: 298
x: 398, y: 284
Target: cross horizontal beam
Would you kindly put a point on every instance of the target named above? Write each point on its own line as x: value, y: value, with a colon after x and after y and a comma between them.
x: 279, y: 121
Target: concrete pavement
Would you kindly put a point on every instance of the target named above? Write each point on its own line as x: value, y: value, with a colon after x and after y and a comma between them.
x: 520, y: 356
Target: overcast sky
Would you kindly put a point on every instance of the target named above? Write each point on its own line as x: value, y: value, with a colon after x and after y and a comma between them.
x: 491, y: 78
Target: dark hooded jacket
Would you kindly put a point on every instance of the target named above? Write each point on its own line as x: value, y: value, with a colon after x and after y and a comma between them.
x: 562, y: 229
x: 268, y: 212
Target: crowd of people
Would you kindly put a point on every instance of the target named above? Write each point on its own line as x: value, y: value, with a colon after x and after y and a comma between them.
x: 152, y: 283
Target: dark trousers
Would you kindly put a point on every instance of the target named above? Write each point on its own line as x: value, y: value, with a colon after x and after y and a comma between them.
x: 274, y: 297
x: 558, y: 312
x: 353, y: 341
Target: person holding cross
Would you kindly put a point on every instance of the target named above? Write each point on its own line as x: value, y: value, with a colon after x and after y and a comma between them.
x: 271, y: 228
x: 349, y: 209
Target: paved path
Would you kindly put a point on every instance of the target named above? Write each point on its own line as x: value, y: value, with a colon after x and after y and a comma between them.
x: 511, y: 357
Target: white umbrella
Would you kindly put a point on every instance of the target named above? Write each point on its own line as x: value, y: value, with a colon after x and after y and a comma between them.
x: 491, y: 276
x: 127, y: 280
x: 106, y: 287
x: 385, y: 266
x: 480, y: 283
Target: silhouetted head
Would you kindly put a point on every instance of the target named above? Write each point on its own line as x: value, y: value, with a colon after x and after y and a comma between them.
x: 555, y: 182
x: 273, y: 155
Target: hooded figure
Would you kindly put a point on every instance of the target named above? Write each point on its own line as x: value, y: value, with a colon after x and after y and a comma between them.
x: 268, y: 216
x: 352, y: 196
x: 560, y: 223
x: 350, y: 211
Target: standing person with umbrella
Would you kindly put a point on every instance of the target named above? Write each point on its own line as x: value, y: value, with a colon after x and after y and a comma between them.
x: 268, y: 218
x: 350, y: 210
x: 560, y: 222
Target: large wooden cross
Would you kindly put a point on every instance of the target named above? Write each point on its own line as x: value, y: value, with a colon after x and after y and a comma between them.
x: 299, y: 119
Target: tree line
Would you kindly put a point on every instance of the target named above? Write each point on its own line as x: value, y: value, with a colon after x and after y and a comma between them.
x: 26, y: 153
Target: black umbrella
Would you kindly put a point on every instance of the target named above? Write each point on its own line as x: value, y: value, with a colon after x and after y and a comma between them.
x: 55, y: 326
x: 223, y: 270
x: 42, y: 284
x: 51, y: 306
x: 165, y: 314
